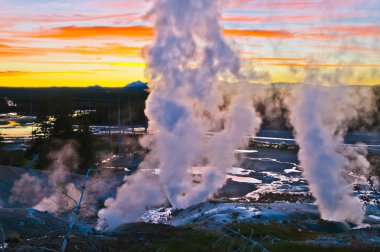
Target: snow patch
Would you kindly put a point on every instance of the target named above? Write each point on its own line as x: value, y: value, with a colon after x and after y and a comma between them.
x: 244, y: 179
x: 246, y: 151
x: 292, y: 170
x: 374, y: 217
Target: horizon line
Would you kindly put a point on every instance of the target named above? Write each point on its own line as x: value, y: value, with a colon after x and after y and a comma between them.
x: 126, y: 85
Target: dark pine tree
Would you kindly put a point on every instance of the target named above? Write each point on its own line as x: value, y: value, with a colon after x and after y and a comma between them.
x: 86, y: 141
x: 43, y: 121
x: 63, y: 125
x: 1, y: 141
x: 42, y: 132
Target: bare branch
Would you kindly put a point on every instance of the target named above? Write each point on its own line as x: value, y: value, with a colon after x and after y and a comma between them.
x: 66, y: 194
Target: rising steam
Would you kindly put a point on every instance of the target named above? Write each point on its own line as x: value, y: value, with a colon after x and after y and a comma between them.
x: 57, y: 192
x: 187, y: 101
x: 43, y: 193
x: 321, y: 116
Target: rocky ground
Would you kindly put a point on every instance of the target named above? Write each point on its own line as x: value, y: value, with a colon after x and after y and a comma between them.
x: 212, y: 226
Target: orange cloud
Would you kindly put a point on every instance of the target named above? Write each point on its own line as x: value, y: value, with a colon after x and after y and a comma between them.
x: 259, y: 33
x: 109, y: 48
x: 75, y: 32
x: 22, y: 73
x: 4, y: 40
x: 11, y: 73
x: 274, y: 34
x: 16, y: 51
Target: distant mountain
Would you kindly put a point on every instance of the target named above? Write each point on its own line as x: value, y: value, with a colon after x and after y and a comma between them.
x: 95, y: 87
x: 137, y: 85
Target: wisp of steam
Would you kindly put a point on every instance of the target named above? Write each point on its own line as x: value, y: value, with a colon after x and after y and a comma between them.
x: 188, y: 59
x: 43, y: 193
x: 56, y: 191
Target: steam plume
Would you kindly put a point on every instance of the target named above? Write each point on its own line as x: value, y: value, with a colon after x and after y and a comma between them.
x: 321, y: 116
x: 42, y: 192
x: 187, y: 100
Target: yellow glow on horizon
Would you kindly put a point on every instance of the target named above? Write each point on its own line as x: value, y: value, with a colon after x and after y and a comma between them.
x: 127, y: 64
x: 104, y: 77
x: 120, y: 73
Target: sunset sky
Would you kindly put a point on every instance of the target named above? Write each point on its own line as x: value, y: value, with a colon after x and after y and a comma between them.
x: 98, y: 42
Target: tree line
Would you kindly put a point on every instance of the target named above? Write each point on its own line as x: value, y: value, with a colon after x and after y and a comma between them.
x: 54, y: 126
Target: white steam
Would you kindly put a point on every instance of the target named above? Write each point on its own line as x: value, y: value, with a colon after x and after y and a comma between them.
x: 187, y: 100
x: 43, y: 193
x: 321, y: 116
x: 139, y: 192
x: 64, y: 160
x: 57, y: 192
